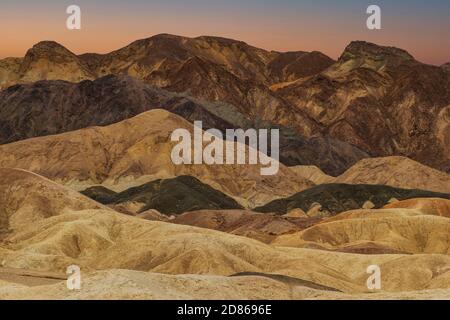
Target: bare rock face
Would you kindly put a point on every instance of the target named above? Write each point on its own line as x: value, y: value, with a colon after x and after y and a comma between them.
x: 47, y: 60
x: 9, y: 70
x: 381, y: 100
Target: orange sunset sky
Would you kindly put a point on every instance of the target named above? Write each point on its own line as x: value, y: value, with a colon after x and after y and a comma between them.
x: 328, y: 26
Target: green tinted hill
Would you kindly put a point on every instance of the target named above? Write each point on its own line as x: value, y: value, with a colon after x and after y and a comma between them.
x: 169, y: 196
x: 336, y: 198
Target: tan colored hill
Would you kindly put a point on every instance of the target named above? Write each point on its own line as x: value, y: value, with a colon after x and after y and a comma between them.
x: 262, y: 227
x: 47, y: 60
x: 132, y: 285
x: 136, y: 151
x: 437, y: 207
x: 313, y: 174
x: 398, y: 172
x: 26, y: 198
x: 135, y: 285
x: 395, y: 230
x: 100, y: 239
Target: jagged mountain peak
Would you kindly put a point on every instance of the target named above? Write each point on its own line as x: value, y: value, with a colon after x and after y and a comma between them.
x: 49, y: 50
x: 363, y: 49
x: 49, y: 44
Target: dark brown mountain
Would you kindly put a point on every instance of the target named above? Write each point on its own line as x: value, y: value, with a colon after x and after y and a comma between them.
x: 209, y: 68
x: 51, y: 107
x: 383, y: 101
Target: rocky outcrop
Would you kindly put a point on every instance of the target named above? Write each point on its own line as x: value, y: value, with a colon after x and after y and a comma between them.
x: 381, y: 100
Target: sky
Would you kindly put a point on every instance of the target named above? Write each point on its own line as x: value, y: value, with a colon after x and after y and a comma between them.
x: 420, y: 27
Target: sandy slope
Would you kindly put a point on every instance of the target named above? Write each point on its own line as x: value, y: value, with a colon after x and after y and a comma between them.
x: 98, y: 238
x: 313, y: 173
x: 398, y: 172
x: 413, y: 226
x: 262, y: 227
x: 135, y: 285
x: 437, y: 207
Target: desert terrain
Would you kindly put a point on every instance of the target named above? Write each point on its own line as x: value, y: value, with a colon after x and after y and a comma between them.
x: 87, y: 179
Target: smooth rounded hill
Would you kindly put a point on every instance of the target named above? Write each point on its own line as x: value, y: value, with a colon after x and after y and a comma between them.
x: 51, y: 107
x: 313, y: 173
x: 398, y: 172
x: 26, y: 198
x: 437, y: 207
x: 376, y: 232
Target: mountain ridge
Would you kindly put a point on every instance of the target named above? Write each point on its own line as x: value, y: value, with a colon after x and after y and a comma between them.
x: 378, y: 99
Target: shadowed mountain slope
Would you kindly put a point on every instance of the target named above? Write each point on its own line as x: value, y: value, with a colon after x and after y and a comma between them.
x: 336, y: 198
x: 209, y: 68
